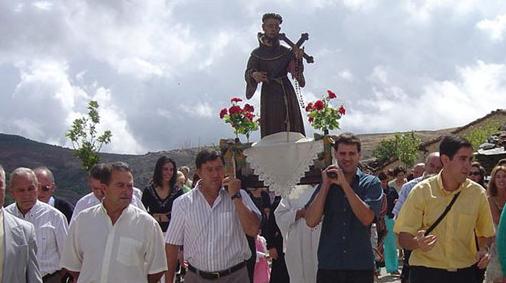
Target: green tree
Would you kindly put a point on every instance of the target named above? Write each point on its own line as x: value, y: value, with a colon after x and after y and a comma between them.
x: 385, y: 150
x: 479, y: 135
x: 403, y: 147
x: 85, y: 139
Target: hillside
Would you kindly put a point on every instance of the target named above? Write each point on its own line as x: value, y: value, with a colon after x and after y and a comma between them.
x: 17, y: 151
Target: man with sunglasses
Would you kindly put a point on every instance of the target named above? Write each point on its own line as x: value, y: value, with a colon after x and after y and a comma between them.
x: 50, y: 224
x: 47, y: 187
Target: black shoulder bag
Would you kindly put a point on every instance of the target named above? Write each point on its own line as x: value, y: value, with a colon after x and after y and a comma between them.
x: 442, y: 216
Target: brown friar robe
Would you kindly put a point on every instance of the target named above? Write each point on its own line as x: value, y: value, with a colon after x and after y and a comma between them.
x: 278, y: 95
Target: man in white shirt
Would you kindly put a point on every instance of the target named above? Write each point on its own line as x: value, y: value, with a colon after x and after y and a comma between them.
x: 50, y: 224
x: 97, y: 194
x: 115, y: 241
x: 211, y: 222
x: 18, y: 260
x: 47, y: 187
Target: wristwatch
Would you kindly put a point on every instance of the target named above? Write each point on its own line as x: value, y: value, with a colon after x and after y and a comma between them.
x: 236, y: 195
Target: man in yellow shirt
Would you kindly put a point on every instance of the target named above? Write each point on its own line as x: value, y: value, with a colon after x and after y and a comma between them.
x: 448, y: 253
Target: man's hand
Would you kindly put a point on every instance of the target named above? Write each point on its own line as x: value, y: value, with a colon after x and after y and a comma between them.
x: 482, y: 258
x: 425, y: 243
x: 260, y: 77
x: 233, y: 185
x: 273, y: 253
x: 301, y: 213
x: 339, y: 180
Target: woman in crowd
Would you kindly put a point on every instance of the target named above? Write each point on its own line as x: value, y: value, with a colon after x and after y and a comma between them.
x: 477, y: 173
x: 390, y: 246
x: 399, y: 175
x: 159, y: 195
x: 501, y: 243
x: 497, y: 198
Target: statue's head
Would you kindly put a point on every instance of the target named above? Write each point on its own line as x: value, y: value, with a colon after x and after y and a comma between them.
x: 270, y: 24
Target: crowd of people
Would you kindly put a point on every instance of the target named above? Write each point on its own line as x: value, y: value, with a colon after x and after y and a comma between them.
x: 440, y: 217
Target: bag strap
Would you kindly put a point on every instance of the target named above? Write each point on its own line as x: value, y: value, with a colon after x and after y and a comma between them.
x: 442, y: 216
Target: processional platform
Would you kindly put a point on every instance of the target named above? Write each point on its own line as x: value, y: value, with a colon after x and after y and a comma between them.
x: 278, y: 161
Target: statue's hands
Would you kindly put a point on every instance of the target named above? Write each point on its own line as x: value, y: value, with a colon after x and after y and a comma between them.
x: 260, y: 77
x: 298, y: 52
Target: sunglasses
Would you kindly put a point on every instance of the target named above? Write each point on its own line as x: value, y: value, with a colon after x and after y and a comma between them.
x: 475, y: 174
x: 46, y: 188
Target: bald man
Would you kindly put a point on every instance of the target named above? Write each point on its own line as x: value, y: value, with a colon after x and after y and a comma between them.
x: 46, y: 190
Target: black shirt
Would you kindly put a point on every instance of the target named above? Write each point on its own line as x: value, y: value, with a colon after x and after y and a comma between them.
x: 154, y: 204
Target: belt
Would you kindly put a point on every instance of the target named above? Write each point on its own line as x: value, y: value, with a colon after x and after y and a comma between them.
x: 48, y: 276
x: 218, y: 274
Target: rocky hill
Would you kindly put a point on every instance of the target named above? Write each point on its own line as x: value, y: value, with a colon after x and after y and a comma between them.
x: 17, y: 151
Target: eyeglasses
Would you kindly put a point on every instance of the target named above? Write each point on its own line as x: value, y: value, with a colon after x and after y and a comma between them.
x: 46, y: 188
x: 474, y: 174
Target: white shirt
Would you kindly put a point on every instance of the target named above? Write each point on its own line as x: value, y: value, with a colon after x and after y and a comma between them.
x: 51, y: 229
x: 90, y: 200
x: 300, y: 241
x: 125, y: 252
x: 213, y: 237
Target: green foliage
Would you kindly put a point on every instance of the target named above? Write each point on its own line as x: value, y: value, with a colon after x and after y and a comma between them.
x: 403, y: 147
x: 385, y: 150
x: 85, y: 139
x: 479, y: 135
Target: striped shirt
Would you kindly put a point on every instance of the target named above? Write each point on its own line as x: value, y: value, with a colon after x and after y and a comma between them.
x: 51, y: 229
x: 125, y: 252
x: 213, y: 237
x: 90, y: 200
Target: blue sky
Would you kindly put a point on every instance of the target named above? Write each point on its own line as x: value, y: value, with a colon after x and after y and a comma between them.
x: 162, y: 70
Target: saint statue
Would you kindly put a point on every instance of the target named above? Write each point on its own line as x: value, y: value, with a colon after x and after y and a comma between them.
x: 269, y: 64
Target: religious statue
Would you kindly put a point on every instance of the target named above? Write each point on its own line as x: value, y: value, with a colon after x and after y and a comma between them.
x: 269, y: 64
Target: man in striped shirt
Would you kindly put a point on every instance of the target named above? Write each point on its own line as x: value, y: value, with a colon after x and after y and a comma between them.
x: 211, y: 222
x: 50, y: 224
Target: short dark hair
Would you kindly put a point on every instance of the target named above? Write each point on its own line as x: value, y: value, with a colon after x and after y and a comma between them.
x: 398, y: 170
x: 207, y: 155
x: 450, y: 144
x: 108, y: 168
x: 157, y: 179
x: 96, y: 171
x: 275, y: 16
x: 382, y: 176
x: 348, y: 138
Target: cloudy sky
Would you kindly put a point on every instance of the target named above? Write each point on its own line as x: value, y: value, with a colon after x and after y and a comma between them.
x: 162, y: 70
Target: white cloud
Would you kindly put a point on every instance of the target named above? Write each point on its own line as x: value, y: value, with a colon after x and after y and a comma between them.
x: 157, y: 65
x: 478, y: 90
x: 495, y: 28
x: 200, y: 110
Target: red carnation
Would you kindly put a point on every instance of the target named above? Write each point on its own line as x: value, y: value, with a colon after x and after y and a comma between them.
x: 309, y: 107
x: 331, y: 94
x: 234, y: 110
x: 319, y: 105
x: 341, y: 110
x: 248, y: 108
x: 249, y: 115
x: 223, y: 112
x: 235, y: 99
x: 310, y: 119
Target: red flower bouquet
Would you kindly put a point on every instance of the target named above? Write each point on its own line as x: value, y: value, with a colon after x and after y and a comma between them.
x: 242, y: 119
x: 322, y: 115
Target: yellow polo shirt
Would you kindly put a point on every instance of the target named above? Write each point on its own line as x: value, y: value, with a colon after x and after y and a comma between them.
x: 455, y: 246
